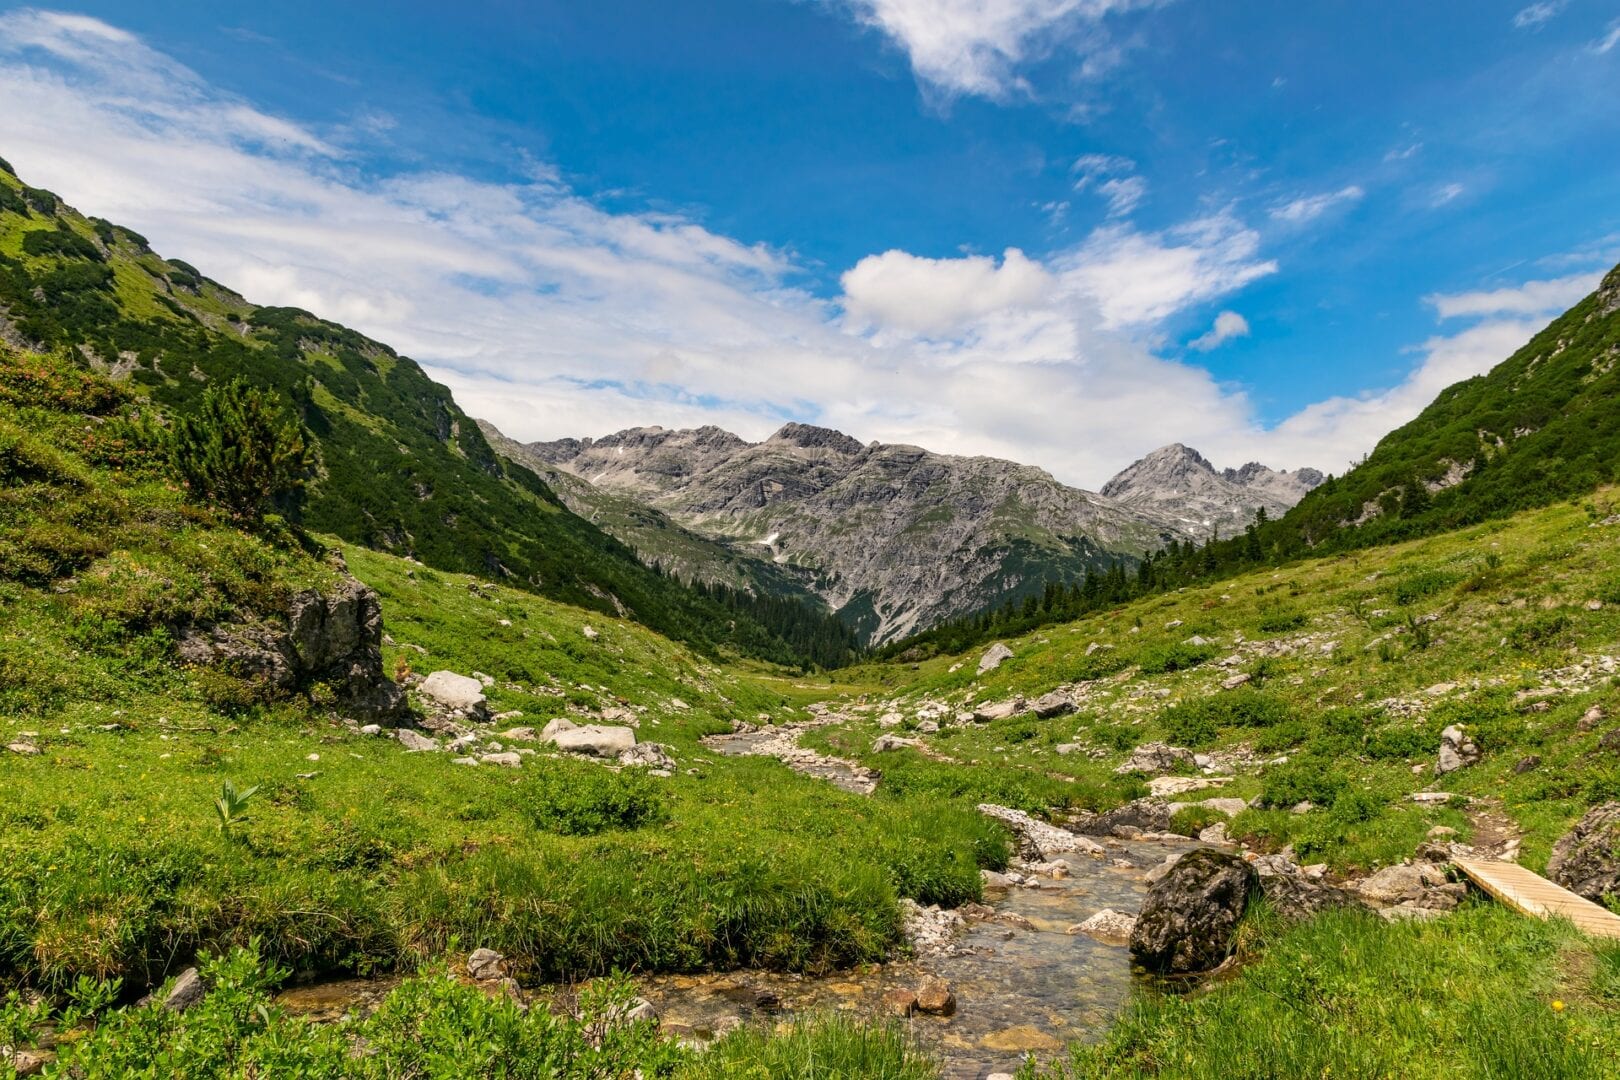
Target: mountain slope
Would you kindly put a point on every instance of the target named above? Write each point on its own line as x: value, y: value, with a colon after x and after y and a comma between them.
x: 1178, y: 482
x: 895, y: 538
x: 402, y: 468
x: 1541, y: 426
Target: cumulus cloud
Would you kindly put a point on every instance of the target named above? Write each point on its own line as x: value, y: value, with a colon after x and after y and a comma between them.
x: 1310, y: 207
x: 977, y: 46
x: 1531, y: 298
x: 552, y: 316
x: 1228, y: 325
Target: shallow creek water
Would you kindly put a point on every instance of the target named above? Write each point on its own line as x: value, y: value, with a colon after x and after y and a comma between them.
x: 1018, y: 990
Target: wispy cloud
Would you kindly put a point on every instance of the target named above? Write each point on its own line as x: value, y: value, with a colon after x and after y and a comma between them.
x: 1530, y: 298
x: 1310, y: 207
x: 1112, y: 177
x: 1403, y: 153
x: 1538, y: 14
x: 1228, y: 325
x: 1445, y: 193
x: 1609, y: 40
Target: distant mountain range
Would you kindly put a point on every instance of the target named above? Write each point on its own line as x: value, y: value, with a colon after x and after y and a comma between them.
x: 895, y: 538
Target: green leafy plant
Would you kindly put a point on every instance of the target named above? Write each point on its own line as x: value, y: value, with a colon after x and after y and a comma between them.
x: 231, y: 806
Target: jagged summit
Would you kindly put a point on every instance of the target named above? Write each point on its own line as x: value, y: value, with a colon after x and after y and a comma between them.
x: 1179, y: 481
x: 810, y: 437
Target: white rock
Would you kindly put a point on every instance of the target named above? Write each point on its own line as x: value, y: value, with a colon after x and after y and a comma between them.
x: 993, y: 657
x: 457, y: 693
x: 598, y: 740
x: 1108, y: 925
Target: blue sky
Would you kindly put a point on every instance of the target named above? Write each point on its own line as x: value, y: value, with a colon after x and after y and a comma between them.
x: 1064, y: 231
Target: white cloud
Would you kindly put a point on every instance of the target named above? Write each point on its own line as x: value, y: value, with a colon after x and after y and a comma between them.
x: 1531, y: 298
x: 1112, y: 177
x: 552, y: 316
x: 1609, y: 40
x: 1534, y: 16
x: 1402, y: 153
x: 977, y: 46
x: 1228, y: 325
x: 1445, y: 193
x: 1310, y: 207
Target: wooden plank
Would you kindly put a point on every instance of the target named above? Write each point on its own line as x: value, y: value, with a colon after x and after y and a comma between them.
x: 1531, y: 894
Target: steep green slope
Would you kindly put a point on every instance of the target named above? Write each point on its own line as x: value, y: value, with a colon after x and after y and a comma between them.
x: 1541, y: 426
x: 402, y: 468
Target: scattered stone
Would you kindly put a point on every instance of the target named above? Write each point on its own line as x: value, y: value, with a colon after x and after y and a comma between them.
x: 26, y: 749
x: 1162, y: 786
x: 993, y: 657
x: 596, y: 740
x: 457, y: 694
x: 486, y: 965
x: 1590, y: 719
x: 652, y: 755
x: 1189, y: 920
x: 1014, y: 920
x: 590, y: 632
x: 1235, y: 681
x: 1586, y: 860
x: 1108, y: 926
x: 1457, y: 750
x: 900, y: 1002
x: 994, y: 880
x: 1407, y: 882
x: 1214, y: 834
x: 554, y: 727
x: 1000, y: 710
x: 187, y: 990
x: 464, y: 761
x: 1022, y: 1039
x: 507, y: 759
x: 1144, y: 815
x: 1525, y: 764
x: 884, y: 743
x: 1047, y: 706
x: 935, y: 998
x: 930, y: 929
x: 414, y: 741
x: 1441, y: 832
x: 890, y: 719
x: 26, y: 1062
x: 1431, y: 798
x: 371, y: 729
x: 1304, y: 806
x: 1155, y: 757
x: 1296, y: 897
x: 1036, y: 839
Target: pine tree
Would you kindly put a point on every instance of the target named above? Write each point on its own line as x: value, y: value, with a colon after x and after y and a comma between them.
x: 231, y: 452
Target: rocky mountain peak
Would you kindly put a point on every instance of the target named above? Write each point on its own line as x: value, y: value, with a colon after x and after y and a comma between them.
x: 1179, y: 481
x: 810, y: 437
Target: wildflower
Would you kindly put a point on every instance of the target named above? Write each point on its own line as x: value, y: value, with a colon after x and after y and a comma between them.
x: 1557, y: 1006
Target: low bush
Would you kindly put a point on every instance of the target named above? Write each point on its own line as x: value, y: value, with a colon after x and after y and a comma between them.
x: 576, y: 798
x: 1159, y: 659
x: 1306, y: 779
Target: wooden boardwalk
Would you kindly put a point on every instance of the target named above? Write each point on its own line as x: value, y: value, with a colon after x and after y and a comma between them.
x: 1532, y: 894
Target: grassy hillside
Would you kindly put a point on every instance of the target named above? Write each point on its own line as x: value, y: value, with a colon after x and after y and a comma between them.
x: 1541, y: 426
x: 401, y: 467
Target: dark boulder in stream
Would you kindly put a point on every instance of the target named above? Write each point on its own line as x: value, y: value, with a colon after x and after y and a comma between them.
x: 1189, y: 920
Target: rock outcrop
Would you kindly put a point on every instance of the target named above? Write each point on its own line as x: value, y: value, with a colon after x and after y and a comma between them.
x: 332, y: 638
x: 1188, y: 922
x: 1586, y: 860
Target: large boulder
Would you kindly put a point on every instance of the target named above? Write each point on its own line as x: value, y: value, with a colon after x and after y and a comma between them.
x: 333, y: 638
x: 993, y: 657
x: 1297, y: 898
x: 597, y: 740
x: 459, y: 696
x: 1586, y: 860
x: 1143, y: 815
x: 1188, y: 922
x: 1056, y: 703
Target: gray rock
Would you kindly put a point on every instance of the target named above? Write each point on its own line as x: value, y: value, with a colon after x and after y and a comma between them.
x: 1189, y: 919
x: 415, y: 741
x: 485, y: 965
x: 998, y: 710
x: 508, y: 759
x: 597, y: 740
x: 1457, y: 750
x: 445, y: 691
x: 1037, y: 839
x: 649, y: 754
x: 884, y: 743
x: 994, y: 657
x: 1108, y: 925
x: 553, y: 727
x: 1586, y: 860
x: 187, y: 990
x: 1155, y: 758
x: 1047, y: 706
x: 1147, y: 815
x: 1296, y: 897
x: 1400, y: 884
